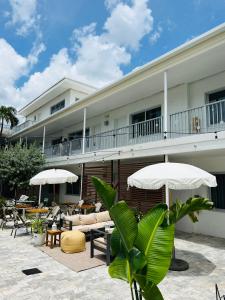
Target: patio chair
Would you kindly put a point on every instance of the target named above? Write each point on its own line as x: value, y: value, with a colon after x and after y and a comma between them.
x: 100, y: 240
x: 53, y: 215
x: 7, y: 216
x: 19, y: 222
x: 98, y: 206
x: 218, y: 296
x: 78, y: 208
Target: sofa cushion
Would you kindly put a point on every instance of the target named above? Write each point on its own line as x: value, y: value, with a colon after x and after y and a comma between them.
x: 74, y: 218
x: 87, y: 219
x: 82, y: 228
x: 103, y: 216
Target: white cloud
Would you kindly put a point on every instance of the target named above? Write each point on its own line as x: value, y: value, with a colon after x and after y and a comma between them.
x: 127, y: 25
x: 155, y: 35
x: 110, y: 4
x: 23, y: 15
x: 95, y: 58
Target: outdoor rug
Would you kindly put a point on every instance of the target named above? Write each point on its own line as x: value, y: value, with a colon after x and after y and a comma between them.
x: 77, y: 261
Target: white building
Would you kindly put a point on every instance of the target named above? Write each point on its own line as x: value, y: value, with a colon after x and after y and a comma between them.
x: 174, y: 105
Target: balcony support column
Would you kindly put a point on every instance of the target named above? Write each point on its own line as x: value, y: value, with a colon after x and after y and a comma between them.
x: 84, y: 130
x: 43, y: 153
x: 43, y: 141
x: 165, y: 128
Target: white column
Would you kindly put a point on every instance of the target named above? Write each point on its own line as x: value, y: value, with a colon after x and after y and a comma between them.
x: 43, y: 152
x: 84, y: 130
x: 165, y: 103
x: 43, y: 142
x: 166, y: 187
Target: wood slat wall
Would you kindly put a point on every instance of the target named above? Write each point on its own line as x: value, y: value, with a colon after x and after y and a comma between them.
x: 141, y: 199
x: 103, y: 172
x: 138, y: 198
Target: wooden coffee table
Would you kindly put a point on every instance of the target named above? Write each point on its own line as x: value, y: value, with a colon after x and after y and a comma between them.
x: 55, y: 236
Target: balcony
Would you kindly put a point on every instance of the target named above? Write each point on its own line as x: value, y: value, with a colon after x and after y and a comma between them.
x: 204, y: 119
x: 22, y: 126
x: 143, y: 132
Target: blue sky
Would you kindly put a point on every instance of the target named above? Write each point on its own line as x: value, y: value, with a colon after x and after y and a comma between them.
x: 95, y: 41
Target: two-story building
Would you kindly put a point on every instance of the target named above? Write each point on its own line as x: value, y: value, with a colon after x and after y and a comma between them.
x: 173, y: 106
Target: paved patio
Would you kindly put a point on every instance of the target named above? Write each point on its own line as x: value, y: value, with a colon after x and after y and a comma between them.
x: 206, y: 256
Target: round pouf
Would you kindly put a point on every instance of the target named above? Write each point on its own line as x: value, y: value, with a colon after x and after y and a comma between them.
x: 72, y: 241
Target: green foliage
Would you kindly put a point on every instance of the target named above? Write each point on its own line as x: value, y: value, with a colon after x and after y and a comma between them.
x: 105, y: 192
x: 191, y: 208
x: 37, y: 226
x: 8, y: 115
x: 18, y: 164
x: 142, y: 250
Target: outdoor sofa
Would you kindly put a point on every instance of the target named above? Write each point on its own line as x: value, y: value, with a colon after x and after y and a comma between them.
x: 85, y: 223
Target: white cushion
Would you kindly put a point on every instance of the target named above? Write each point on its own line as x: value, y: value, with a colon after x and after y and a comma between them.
x: 87, y: 219
x: 83, y: 228
x: 74, y: 218
x: 103, y: 216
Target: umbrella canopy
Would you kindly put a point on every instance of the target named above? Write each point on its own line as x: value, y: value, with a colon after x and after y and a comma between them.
x: 174, y: 176
x: 53, y: 176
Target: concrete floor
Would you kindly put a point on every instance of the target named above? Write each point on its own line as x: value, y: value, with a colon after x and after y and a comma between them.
x: 206, y: 256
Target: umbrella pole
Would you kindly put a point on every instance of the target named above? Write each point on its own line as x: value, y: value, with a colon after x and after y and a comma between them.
x: 54, y: 192
x: 39, y: 198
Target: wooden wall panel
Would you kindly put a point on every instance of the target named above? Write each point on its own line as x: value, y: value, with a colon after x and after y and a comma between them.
x: 103, y: 172
x: 138, y: 198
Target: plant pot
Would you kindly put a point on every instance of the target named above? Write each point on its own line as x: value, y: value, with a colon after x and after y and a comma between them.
x: 38, y: 239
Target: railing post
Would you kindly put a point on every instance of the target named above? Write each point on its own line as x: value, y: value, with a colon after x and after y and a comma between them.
x: 84, y: 130
x: 165, y: 103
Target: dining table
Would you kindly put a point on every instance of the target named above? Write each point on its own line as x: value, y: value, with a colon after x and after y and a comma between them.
x: 37, y: 211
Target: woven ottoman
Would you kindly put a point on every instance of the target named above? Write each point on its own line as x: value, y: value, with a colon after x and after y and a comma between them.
x: 72, y: 241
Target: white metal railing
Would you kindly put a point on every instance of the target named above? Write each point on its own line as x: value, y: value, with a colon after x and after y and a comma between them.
x: 137, y: 133
x: 207, y: 118
x: 22, y: 126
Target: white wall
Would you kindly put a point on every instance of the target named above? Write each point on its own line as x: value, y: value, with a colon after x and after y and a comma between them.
x: 63, y: 197
x: 45, y: 111
x: 210, y: 222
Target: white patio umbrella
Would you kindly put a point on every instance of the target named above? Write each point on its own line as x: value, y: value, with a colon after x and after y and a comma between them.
x: 52, y: 176
x: 174, y: 176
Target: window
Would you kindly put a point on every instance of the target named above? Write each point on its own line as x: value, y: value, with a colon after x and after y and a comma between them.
x: 216, y: 109
x: 218, y: 193
x: 73, y: 188
x: 57, y: 106
x: 146, y: 122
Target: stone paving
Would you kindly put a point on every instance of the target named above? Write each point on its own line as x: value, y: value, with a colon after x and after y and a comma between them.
x: 206, y: 256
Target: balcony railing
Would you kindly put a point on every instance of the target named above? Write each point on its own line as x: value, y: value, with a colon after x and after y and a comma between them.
x: 143, y: 132
x: 204, y: 119
x: 22, y: 126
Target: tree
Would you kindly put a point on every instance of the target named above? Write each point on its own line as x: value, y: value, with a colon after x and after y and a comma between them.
x: 8, y: 115
x: 18, y: 164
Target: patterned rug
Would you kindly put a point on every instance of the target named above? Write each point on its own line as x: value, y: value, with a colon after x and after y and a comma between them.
x: 77, y: 261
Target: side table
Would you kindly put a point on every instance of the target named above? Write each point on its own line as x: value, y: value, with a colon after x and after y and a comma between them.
x: 55, y: 236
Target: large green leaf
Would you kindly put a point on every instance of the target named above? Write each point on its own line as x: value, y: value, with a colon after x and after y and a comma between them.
x: 152, y: 292
x: 116, y: 243
x: 137, y: 260
x: 191, y: 208
x: 156, y: 243
x: 148, y: 226
x: 160, y: 253
x: 105, y: 191
x: 126, y: 223
x: 120, y: 269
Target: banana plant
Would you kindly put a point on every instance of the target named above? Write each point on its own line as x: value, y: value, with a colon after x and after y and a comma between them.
x: 191, y: 208
x: 142, y: 250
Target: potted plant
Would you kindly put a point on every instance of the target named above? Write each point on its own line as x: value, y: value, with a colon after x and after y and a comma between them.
x: 38, y: 230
